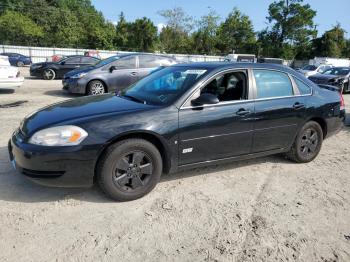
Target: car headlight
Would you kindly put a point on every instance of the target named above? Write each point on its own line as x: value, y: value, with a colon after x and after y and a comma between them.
x: 80, y: 75
x: 59, y: 136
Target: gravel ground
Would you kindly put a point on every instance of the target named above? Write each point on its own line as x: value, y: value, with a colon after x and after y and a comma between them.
x: 267, y: 209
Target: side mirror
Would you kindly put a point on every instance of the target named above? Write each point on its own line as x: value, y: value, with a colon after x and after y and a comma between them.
x: 112, y: 68
x: 205, y: 99
x: 63, y: 62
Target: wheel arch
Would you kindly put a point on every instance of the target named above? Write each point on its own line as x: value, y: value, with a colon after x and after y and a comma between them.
x: 151, y: 137
x: 96, y: 79
x: 322, y: 122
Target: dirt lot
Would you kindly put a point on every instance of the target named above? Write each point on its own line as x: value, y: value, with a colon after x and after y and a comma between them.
x: 268, y: 209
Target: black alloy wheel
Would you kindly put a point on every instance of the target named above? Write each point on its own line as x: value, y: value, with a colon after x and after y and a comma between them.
x: 307, y: 144
x: 129, y: 169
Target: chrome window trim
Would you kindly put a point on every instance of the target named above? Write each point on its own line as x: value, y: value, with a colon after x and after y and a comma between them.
x: 251, y: 88
x: 311, y: 89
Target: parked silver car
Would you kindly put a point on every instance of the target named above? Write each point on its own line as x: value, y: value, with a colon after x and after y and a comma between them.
x: 114, y: 73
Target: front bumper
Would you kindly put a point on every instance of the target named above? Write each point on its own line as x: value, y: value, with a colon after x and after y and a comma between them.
x: 55, y: 166
x: 11, y: 82
x: 74, y: 85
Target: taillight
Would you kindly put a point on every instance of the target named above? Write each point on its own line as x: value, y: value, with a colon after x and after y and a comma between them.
x: 342, y: 102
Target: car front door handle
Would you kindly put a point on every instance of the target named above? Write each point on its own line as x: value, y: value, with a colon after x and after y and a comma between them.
x: 242, y: 112
x: 298, y: 105
x: 133, y: 73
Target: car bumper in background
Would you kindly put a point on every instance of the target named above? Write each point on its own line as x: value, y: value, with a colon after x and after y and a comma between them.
x: 11, y: 82
x: 58, y: 166
x: 74, y: 85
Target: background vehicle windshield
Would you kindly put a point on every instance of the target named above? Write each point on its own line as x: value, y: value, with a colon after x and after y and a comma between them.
x: 337, y: 71
x: 164, y: 86
x: 310, y: 67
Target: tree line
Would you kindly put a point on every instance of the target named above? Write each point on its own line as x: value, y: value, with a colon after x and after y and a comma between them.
x: 291, y: 32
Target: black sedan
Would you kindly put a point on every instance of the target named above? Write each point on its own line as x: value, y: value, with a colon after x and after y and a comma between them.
x: 336, y: 76
x: 53, y: 70
x: 179, y: 117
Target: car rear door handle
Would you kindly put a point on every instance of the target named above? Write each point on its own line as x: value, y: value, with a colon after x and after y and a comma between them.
x: 298, y: 105
x: 133, y: 73
x: 242, y: 112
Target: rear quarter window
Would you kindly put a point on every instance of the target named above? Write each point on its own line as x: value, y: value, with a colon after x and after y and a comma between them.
x: 270, y: 84
x: 304, y: 89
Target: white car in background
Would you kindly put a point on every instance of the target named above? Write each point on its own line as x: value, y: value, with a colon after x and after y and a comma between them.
x: 10, y: 76
x: 311, y: 70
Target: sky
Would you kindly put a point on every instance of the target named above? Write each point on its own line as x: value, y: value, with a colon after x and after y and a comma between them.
x: 328, y: 12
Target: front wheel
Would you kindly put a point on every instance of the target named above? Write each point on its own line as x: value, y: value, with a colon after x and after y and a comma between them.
x: 307, y: 144
x: 96, y: 87
x: 20, y: 64
x: 129, y: 169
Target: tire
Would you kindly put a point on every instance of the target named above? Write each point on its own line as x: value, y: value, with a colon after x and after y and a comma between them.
x: 129, y: 169
x: 96, y: 87
x: 20, y: 64
x: 49, y: 74
x: 307, y: 144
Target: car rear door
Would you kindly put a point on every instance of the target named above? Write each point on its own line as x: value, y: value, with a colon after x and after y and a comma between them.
x: 213, y: 132
x: 149, y: 63
x: 279, y: 110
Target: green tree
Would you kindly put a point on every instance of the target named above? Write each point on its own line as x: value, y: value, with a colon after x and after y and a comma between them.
x: 18, y: 29
x: 236, y: 33
x: 204, y: 39
x: 122, y: 33
x: 175, y: 36
x: 332, y: 43
x: 292, y: 23
x: 142, y: 35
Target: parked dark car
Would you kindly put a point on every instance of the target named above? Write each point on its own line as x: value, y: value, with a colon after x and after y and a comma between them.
x: 18, y: 59
x: 336, y: 76
x: 182, y: 116
x: 53, y: 70
x: 114, y: 73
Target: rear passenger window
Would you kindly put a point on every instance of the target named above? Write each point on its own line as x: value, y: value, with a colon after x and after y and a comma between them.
x: 148, y: 61
x: 303, y: 88
x: 271, y: 84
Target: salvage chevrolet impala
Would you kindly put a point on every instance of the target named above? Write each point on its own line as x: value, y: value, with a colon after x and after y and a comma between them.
x: 183, y: 116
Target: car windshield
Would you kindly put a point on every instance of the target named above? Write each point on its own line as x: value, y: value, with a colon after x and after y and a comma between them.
x: 164, y: 86
x: 337, y: 71
x: 106, y: 61
x: 309, y: 68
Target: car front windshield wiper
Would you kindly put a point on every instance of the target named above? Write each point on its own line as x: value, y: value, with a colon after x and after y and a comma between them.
x: 133, y: 98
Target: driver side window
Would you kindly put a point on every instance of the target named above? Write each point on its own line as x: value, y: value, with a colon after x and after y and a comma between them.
x: 228, y: 87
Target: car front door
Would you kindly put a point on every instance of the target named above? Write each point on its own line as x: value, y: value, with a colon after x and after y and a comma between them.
x: 219, y: 131
x: 279, y: 110
x: 123, y: 75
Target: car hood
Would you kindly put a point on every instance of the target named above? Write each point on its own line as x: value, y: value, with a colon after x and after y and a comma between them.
x: 78, y: 109
x: 324, y: 77
x: 84, y: 69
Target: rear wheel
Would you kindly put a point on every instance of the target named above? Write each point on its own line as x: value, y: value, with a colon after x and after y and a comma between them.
x: 20, y: 64
x: 129, y: 169
x: 96, y: 87
x: 49, y: 74
x: 307, y: 144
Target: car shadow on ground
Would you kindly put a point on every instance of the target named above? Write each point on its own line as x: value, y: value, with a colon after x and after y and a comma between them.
x: 7, y: 91
x: 61, y: 93
x: 14, y: 187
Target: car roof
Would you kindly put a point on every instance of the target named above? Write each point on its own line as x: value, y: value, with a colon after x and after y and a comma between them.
x: 233, y: 65
x: 136, y: 54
